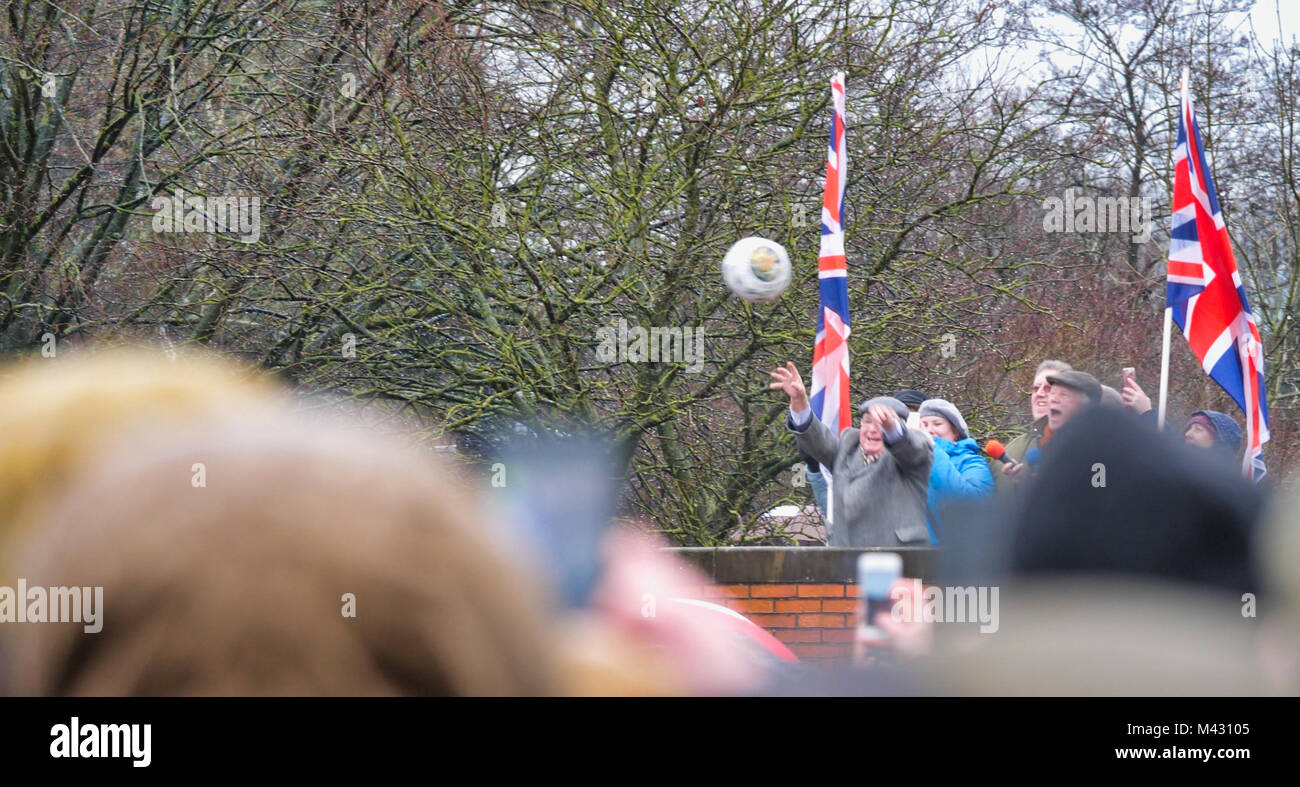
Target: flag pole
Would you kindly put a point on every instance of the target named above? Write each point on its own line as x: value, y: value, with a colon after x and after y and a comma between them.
x: 1164, y: 369
x: 1169, y: 312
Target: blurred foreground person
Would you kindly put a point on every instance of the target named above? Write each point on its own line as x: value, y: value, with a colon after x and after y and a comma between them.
x: 641, y: 634
x: 630, y: 622
x: 54, y: 414
x: 1281, y: 558
x: 1128, y: 568
x: 246, y: 550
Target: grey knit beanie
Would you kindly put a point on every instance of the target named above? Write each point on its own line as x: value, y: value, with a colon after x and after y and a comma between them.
x: 946, y: 409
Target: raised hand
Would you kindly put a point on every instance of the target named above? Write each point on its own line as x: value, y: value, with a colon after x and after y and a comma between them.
x: 1134, y: 397
x: 884, y: 416
x: 787, y: 379
x: 910, y: 637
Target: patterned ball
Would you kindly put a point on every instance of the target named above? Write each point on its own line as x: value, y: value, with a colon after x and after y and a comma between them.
x: 756, y: 269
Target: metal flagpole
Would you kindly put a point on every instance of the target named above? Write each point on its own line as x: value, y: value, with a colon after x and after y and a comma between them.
x: 1169, y: 312
x: 1164, y: 369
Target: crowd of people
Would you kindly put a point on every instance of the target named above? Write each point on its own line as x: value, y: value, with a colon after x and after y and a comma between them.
x: 913, y: 456
x: 1093, y: 523
x: 246, y: 544
x: 248, y: 541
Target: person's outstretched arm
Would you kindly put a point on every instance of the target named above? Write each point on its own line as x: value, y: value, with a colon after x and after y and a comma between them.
x: 813, y: 437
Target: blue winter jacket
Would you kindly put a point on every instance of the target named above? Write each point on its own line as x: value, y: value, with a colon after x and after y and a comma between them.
x: 958, y: 472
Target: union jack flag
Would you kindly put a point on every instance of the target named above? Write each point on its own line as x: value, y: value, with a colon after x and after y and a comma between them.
x: 830, y: 372
x: 1204, y: 290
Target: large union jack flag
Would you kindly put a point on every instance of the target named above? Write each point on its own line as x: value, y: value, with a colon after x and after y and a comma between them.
x: 830, y: 372
x: 1204, y: 290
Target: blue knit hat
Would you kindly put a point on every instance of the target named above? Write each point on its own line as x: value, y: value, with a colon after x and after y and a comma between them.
x: 1227, y: 435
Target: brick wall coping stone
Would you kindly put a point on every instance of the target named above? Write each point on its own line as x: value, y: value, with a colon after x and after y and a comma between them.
x: 745, y: 565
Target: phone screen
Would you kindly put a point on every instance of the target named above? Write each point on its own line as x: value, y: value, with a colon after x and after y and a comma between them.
x: 876, y: 572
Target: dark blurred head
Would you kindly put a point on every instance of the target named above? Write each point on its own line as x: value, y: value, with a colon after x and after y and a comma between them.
x: 1114, y: 497
x: 912, y: 398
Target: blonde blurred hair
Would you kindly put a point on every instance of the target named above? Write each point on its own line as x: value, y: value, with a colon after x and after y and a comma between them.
x: 55, y: 411
x: 240, y: 587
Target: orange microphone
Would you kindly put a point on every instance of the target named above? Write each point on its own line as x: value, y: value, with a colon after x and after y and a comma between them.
x: 998, y: 451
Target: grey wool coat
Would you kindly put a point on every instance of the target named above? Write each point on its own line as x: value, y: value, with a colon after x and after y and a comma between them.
x: 881, y: 503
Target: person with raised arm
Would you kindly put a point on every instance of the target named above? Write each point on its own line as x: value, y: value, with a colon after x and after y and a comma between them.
x: 880, y: 470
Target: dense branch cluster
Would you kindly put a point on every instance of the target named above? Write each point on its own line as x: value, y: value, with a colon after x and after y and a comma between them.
x: 454, y: 200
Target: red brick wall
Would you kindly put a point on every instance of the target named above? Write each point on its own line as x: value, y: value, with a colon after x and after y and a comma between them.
x: 815, y: 621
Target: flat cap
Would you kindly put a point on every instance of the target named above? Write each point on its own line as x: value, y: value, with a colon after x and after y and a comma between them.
x: 1082, y: 382
x: 888, y: 401
x: 911, y: 397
